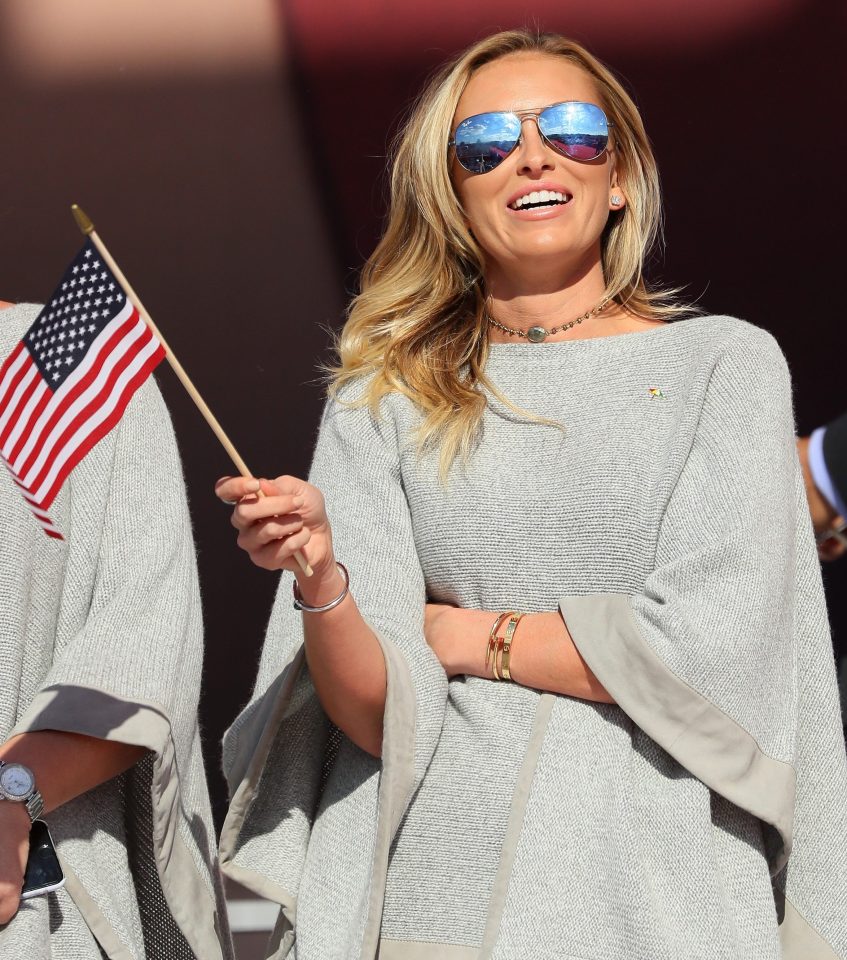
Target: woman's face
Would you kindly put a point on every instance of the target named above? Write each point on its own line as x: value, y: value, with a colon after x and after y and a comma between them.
x: 520, y: 240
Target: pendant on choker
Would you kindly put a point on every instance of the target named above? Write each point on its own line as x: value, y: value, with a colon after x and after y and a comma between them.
x: 539, y: 334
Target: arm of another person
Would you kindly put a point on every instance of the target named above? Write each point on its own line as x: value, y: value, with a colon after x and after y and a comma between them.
x: 46, y: 753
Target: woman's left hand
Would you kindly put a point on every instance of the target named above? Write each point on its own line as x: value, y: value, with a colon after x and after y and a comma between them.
x: 457, y: 637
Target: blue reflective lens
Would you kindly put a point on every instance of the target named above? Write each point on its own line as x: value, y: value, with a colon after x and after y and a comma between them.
x: 576, y: 130
x: 484, y: 141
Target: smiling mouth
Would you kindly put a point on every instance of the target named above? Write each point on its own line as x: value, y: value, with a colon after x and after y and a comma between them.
x: 539, y: 199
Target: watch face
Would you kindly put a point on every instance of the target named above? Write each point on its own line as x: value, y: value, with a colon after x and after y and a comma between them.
x: 16, y: 781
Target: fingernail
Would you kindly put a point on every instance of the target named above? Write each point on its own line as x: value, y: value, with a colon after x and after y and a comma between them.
x: 254, y: 486
x: 298, y: 501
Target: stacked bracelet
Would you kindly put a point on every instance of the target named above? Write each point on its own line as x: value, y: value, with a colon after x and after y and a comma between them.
x: 506, y: 647
x: 498, y: 652
x: 491, y: 649
x: 299, y: 603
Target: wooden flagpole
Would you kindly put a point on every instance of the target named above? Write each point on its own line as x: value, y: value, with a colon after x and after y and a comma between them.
x: 87, y: 227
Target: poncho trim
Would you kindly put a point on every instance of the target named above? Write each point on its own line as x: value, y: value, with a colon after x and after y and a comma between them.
x: 694, y: 731
x: 100, y: 713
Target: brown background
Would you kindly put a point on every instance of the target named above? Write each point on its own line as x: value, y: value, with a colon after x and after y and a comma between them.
x: 233, y: 163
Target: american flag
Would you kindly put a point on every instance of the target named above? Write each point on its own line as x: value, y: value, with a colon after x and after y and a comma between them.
x: 68, y: 381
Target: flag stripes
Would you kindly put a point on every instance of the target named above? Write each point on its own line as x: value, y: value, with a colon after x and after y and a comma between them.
x: 44, y: 430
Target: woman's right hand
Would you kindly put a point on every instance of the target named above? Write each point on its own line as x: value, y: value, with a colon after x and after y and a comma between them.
x: 291, y: 516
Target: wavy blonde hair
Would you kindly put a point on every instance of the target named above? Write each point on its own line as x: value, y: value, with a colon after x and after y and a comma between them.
x: 418, y: 325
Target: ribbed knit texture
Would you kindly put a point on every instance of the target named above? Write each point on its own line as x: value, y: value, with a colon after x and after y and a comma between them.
x: 110, y: 618
x: 688, y: 502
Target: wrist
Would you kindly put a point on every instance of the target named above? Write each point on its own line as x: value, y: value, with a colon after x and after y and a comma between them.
x: 14, y: 818
x: 326, y: 583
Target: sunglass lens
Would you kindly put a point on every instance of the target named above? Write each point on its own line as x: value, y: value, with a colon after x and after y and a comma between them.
x: 578, y: 130
x: 484, y: 141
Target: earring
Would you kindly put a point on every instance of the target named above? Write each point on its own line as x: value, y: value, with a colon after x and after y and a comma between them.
x: 615, y: 200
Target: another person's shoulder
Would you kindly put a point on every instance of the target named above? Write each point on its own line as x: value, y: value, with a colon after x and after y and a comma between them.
x: 14, y: 322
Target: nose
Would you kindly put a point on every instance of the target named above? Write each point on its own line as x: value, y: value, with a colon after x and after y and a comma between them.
x: 534, y: 156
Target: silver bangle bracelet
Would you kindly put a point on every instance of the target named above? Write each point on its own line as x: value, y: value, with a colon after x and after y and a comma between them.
x: 300, y: 605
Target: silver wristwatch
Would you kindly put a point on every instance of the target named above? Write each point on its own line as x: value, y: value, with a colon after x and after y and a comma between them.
x: 17, y: 783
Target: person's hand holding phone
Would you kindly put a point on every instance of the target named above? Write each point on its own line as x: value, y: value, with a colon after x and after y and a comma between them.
x: 14, y: 849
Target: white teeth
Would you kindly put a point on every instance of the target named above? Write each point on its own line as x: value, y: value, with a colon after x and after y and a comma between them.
x: 540, y: 196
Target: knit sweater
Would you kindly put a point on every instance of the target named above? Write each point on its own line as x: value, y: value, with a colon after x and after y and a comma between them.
x: 703, y: 816
x: 101, y: 634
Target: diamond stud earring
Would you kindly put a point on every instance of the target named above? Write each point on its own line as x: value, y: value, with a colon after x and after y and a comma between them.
x: 615, y: 200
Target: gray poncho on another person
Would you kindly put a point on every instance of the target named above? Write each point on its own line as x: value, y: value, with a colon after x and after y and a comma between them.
x: 101, y: 634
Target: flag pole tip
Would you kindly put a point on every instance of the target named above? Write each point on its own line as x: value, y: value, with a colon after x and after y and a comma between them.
x: 82, y: 220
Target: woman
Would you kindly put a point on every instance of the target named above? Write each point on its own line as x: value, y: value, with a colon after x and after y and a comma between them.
x: 101, y: 647
x: 516, y: 427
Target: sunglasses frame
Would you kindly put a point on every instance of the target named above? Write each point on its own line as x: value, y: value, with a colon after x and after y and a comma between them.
x: 535, y: 115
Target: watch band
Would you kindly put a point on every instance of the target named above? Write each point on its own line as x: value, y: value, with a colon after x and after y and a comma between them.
x: 34, y: 803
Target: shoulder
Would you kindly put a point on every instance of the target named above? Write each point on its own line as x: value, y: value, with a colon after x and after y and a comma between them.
x: 349, y: 409
x: 14, y: 322
x: 718, y: 335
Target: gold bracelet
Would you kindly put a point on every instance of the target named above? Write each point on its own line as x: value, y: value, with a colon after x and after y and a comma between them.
x: 491, y: 649
x: 506, y: 649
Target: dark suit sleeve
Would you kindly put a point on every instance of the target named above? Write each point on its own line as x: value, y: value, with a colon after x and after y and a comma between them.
x: 835, y: 454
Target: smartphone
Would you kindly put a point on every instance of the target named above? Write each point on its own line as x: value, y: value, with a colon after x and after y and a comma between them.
x: 43, y: 870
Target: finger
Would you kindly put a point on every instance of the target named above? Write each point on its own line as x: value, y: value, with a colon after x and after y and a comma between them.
x: 260, y: 534
x: 234, y: 488
x: 249, y: 512
x: 10, y: 897
x: 279, y: 554
x: 284, y: 485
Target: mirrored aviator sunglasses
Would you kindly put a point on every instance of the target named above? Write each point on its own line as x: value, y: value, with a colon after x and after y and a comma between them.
x: 574, y: 129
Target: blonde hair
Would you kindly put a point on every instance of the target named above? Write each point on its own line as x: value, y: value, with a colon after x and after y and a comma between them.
x: 418, y: 325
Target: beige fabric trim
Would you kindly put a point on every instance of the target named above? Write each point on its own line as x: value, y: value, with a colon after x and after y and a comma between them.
x: 102, y: 931
x: 693, y: 730
x: 513, y: 829
x: 252, y: 747
x: 416, y: 950
x: 396, y: 782
x: 101, y: 714
x: 799, y: 941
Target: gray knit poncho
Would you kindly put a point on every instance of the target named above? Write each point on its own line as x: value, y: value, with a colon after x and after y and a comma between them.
x: 101, y: 634
x: 701, y: 817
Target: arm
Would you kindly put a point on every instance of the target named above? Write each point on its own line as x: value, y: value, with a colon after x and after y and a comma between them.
x: 46, y: 753
x: 543, y: 654
x: 343, y: 654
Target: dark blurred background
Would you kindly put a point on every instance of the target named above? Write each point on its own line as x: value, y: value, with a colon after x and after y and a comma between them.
x: 232, y: 157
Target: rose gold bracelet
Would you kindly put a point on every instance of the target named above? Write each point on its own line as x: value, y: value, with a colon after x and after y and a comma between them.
x: 506, y: 648
x: 491, y: 649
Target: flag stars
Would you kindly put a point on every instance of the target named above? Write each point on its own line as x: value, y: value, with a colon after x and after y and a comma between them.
x: 75, y: 270
x: 101, y: 288
x: 91, y: 328
x: 69, y: 360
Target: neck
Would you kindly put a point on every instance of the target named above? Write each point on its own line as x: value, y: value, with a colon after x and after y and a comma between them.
x: 520, y: 302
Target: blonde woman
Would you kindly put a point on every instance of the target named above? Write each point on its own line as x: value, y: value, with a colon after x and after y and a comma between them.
x: 571, y: 692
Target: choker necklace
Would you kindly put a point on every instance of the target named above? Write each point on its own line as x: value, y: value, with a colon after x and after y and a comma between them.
x: 540, y: 334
